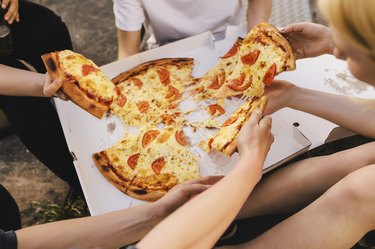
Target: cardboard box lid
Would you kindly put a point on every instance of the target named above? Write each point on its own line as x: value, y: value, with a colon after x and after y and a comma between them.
x: 86, y: 134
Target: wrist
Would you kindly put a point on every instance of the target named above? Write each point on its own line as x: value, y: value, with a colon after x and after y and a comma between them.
x: 38, y: 84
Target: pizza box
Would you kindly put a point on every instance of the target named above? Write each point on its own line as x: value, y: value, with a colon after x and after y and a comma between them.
x: 85, y: 134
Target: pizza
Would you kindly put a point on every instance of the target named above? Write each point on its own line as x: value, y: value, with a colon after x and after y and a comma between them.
x: 152, y: 91
x: 157, y: 151
x: 147, y: 165
x: 83, y: 81
x: 207, y: 86
x: 225, y: 140
x: 248, y: 66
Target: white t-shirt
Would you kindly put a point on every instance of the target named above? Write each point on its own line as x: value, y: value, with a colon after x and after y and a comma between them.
x: 170, y: 20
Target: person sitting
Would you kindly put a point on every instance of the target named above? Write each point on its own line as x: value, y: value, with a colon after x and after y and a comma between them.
x: 167, y: 21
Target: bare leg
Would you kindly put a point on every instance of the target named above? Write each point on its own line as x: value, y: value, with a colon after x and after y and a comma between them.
x: 291, y: 188
x: 338, y: 219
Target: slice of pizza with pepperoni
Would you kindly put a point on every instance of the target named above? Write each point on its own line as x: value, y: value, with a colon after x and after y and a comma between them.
x: 147, y: 165
x: 207, y: 86
x: 225, y: 139
x: 83, y: 81
x: 150, y: 90
x: 263, y: 54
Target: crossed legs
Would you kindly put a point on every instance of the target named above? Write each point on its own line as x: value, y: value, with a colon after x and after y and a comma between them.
x: 293, y: 187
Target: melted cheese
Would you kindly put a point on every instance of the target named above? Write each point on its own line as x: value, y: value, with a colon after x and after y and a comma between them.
x: 96, y: 82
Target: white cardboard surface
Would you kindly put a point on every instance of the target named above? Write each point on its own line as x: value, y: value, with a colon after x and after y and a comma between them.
x: 86, y: 134
x: 328, y: 74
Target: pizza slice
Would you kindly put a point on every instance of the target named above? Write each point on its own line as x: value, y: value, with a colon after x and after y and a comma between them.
x: 264, y: 53
x: 118, y: 163
x: 146, y: 91
x: 166, y: 163
x: 225, y: 140
x: 210, y: 82
x: 83, y: 81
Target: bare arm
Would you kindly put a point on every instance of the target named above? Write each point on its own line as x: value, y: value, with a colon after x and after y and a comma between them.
x: 114, y: 229
x: 19, y: 82
x: 258, y: 11
x: 355, y: 114
x: 110, y: 230
x: 352, y: 113
x: 214, y: 209
x: 128, y: 43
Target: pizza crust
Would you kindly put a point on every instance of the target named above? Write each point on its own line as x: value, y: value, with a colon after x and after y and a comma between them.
x: 179, y: 62
x: 274, y: 34
x: 71, y: 88
x: 259, y: 104
x: 121, y: 182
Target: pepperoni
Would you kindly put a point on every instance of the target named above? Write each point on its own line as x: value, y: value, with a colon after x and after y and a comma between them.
x: 230, y: 121
x: 121, y: 99
x: 232, y: 51
x: 87, y: 69
x: 163, y: 75
x: 143, y: 106
x: 180, y: 138
x: 172, y: 93
x: 242, y: 87
x: 237, y: 84
x: 270, y: 74
x: 209, y: 144
x: 250, y: 58
x: 149, y: 136
x: 133, y: 160
x: 217, y: 81
x: 212, y: 109
x: 157, y: 165
x: 167, y: 119
x: 199, y: 89
x: 137, y: 82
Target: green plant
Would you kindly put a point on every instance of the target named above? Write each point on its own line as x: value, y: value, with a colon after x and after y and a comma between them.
x: 47, y: 211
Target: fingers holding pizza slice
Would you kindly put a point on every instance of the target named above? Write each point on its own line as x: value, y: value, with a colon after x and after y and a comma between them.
x: 83, y: 81
x: 225, y: 140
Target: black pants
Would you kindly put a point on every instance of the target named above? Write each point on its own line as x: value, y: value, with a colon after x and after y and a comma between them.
x: 34, y: 119
x: 9, y: 216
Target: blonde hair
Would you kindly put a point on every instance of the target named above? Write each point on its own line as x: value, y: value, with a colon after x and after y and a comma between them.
x: 354, y: 19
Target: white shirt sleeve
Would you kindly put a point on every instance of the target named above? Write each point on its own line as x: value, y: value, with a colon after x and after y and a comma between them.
x: 129, y: 14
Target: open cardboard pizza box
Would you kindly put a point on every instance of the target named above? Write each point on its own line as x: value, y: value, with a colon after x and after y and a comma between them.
x: 85, y: 134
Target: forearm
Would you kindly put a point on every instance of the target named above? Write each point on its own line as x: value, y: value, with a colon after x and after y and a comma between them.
x: 258, y: 11
x: 217, y: 207
x: 110, y: 230
x: 128, y: 43
x: 17, y: 82
x: 352, y: 113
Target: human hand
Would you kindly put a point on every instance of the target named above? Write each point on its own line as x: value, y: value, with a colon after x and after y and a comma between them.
x: 255, y: 135
x: 279, y: 94
x: 12, y: 13
x: 309, y: 39
x: 183, y: 192
x: 52, y: 88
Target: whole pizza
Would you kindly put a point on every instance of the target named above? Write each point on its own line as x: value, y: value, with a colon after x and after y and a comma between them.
x: 157, y: 98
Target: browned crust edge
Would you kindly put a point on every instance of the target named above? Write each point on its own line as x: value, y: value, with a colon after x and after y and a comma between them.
x: 155, y: 63
x: 107, y: 170
x: 144, y: 194
x: 279, y: 39
x: 70, y: 87
x: 258, y: 104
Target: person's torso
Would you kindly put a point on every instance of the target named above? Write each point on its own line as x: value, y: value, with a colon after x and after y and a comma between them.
x: 170, y: 20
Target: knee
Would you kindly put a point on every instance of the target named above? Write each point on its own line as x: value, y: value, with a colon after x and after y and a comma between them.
x: 355, y: 194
